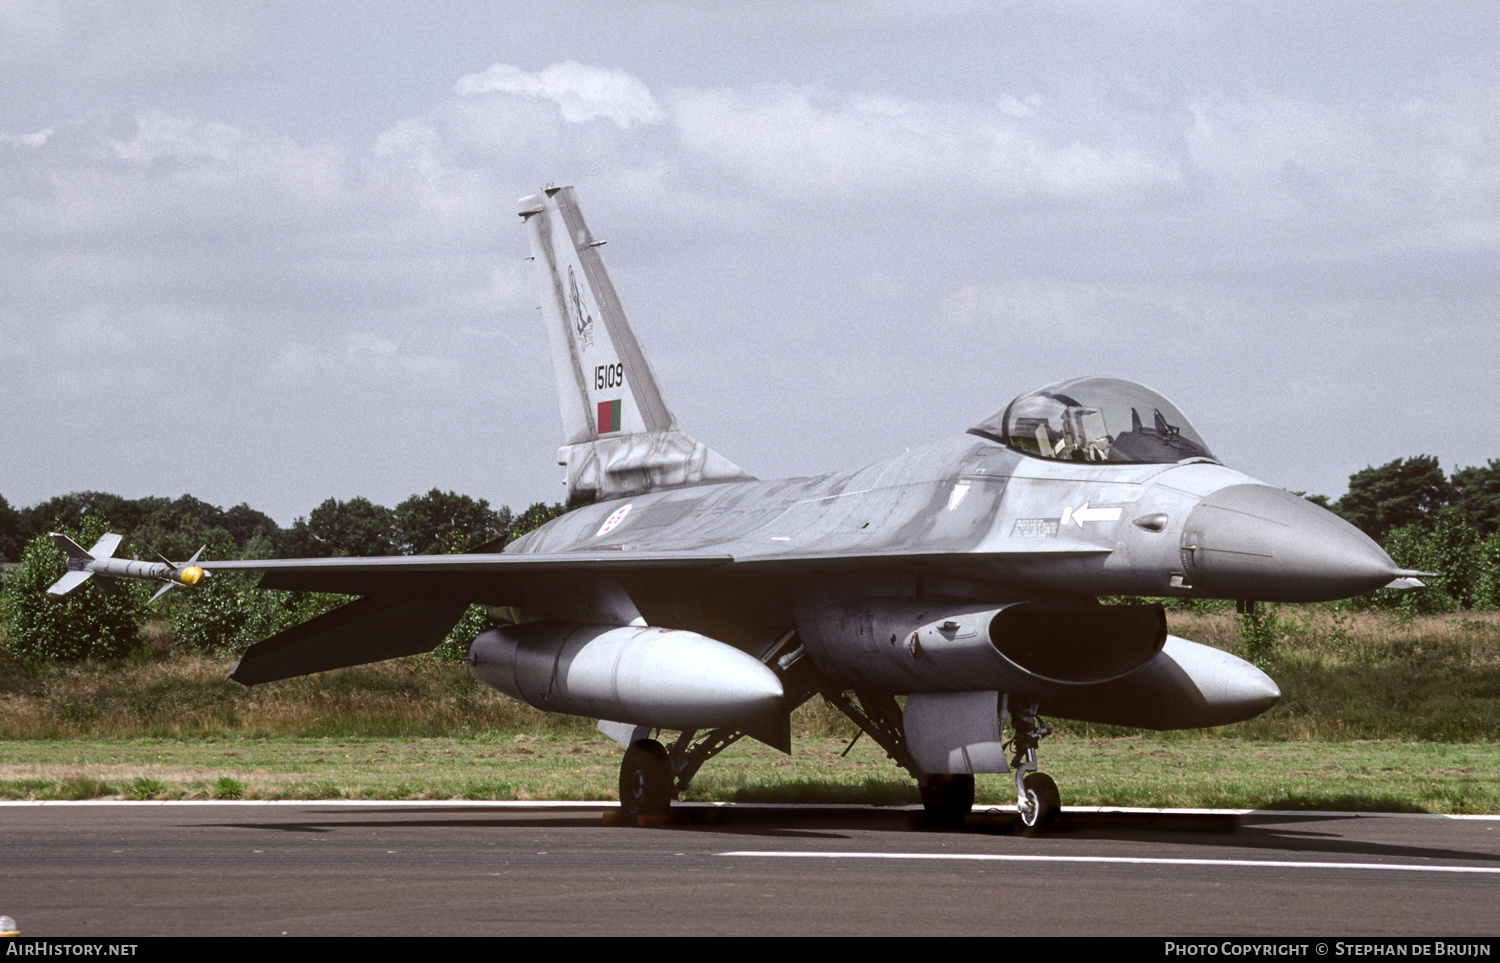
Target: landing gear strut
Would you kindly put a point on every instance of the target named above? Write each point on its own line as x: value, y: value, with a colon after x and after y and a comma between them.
x: 1037, y: 799
x: 645, y: 779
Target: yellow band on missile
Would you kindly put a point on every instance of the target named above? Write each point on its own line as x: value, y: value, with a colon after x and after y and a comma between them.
x: 191, y: 575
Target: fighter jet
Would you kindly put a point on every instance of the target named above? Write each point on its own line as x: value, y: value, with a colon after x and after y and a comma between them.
x: 937, y: 598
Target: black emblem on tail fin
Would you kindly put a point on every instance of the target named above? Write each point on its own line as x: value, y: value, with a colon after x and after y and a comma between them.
x: 583, y: 323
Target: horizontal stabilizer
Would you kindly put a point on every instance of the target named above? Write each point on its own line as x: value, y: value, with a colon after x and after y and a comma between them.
x: 361, y: 632
x: 624, y: 465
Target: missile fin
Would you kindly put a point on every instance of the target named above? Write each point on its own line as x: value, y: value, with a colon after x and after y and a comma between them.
x: 68, y: 583
x: 73, y: 549
x: 105, y: 547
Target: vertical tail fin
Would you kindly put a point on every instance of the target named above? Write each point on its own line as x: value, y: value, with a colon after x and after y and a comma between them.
x: 620, y: 436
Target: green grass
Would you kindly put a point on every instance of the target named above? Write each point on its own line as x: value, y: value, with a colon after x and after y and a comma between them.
x: 1158, y: 771
x: 1378, y: 713
x: 1344, y: 676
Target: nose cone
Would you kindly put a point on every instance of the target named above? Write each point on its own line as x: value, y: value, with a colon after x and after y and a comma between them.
x: 1259, y: 542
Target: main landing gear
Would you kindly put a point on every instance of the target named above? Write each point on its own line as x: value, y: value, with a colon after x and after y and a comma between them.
x: 646, y: 779
x: 946, y: 798
x: 652, y: 775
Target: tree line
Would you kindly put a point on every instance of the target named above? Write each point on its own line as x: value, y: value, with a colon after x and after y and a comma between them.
x: 225, y: 613
x: 1431, y: 522
x: 1426, y: 520
x: 432, y: 524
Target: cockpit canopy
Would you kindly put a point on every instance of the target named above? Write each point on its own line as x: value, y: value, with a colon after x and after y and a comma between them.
x: 1102, y: 420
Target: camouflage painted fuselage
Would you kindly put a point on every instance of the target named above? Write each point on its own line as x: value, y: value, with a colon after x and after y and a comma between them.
x: 972, y: 518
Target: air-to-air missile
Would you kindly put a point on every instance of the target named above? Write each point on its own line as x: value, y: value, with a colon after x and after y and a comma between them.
x: 100, y: 560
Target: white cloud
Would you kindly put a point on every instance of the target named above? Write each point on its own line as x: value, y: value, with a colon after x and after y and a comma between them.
x: 1084, y: 223
x: 1351, y: 175
x: 362, y: 354
x: 35, y: 139
x: 799, y: 141
x: 582, y: 93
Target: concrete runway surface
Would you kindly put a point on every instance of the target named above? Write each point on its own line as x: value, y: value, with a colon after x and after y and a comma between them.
x: 349, y: 868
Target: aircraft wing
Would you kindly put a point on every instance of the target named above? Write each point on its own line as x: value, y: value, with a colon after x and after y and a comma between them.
x: 472, y: 578
x: 506, y: 579
x: 411, y: 602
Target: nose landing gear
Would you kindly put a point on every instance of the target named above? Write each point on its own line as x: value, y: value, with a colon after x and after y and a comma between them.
x: 1037, y: 799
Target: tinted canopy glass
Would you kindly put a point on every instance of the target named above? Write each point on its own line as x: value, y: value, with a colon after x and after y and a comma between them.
x: 1103, y: 420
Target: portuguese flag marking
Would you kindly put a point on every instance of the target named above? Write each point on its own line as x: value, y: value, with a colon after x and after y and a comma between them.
x: 609, y: 416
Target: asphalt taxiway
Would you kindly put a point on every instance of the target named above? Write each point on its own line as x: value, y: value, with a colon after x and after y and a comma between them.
x: 501, y: 869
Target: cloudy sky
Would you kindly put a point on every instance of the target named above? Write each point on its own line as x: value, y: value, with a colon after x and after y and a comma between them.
x: 268, y: 252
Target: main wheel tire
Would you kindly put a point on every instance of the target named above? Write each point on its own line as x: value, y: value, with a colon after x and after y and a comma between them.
x: 645, y: 779
x: 1041, y: 792
x: 947, y: 798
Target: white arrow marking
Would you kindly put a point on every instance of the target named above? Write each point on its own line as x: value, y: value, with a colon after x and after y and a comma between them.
x: 1087, y: 514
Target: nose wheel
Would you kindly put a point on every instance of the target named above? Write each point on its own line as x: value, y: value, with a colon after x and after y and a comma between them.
x: 1037, y: 802
x: 1037, y: 799
x: 645, y: 779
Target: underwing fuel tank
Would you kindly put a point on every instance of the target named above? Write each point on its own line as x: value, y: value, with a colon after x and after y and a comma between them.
x: 935, y: 644
x: 663, y: 678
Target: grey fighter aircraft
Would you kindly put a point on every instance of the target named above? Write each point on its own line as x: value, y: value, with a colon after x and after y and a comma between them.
x: 682, y: 594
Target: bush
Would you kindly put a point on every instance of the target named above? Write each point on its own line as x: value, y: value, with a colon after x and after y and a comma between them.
x: 1468, y: 566
x: 1261, y: 634
x: 226, y: 613
x: 456, y: 645
x: 85, y: 624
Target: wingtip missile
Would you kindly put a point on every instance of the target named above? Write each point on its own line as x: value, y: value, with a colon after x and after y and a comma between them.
x: 100, y: 560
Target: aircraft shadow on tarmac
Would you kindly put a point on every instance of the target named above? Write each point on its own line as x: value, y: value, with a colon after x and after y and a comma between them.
x: 1263, y: 833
